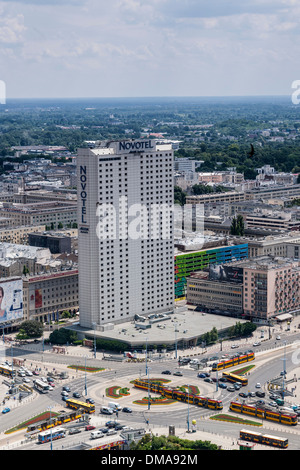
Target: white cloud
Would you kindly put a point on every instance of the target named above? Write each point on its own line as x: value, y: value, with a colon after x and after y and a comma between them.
x: 151, y: 47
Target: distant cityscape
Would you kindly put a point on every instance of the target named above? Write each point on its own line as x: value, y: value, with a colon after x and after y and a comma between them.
x: 41, y: 226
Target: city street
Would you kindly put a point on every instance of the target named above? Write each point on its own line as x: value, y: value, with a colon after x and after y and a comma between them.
x: 268, y: 364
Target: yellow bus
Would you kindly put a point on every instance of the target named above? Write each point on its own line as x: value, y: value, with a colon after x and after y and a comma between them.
x: 76, y: 405
x: 264, y: 439
x: 235, y: 378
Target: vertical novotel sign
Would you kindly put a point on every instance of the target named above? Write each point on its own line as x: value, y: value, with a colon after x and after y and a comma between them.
x: 83, y: 194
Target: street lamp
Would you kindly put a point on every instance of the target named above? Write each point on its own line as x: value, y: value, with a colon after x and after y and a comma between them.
x: 175, y: 340
x: 85, y: 385
x: 94, y: 325
x: 148, y: 390
x: 146, y: 362
x: 51, y: 440
x: 188, y: 415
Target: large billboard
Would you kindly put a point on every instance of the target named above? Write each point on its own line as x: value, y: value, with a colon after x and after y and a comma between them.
x: 11, y: 300
x: 226, y: 273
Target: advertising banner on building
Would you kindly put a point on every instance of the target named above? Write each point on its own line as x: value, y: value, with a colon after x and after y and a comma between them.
x: 38, y: 298
x: 226, y: 273
x: 11, y: 300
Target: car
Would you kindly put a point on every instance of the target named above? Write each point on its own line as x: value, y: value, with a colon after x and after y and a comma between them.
x: 127, y: 428
x: 89, y: 427
x: 127, y: 410
x: 272, y: 403
x: 166, y: 372
x: 234, y: 346
x: 119, y: 427
x: 256, y: 344
x: 178, y: 373
x: 26, y: 380
x: 237, y: 386
x: 76, y: 395
x: 222, y: 385
x: 278, y: 337
x: 29, y: 373
x: 261, y: 402
x: 252, y: 394
x: 5, y: 410
x: 50, y: 388
x: 35, y: 372
x: 243, y: 395
x: 64, y: 393
x: 201, y: 375
x: 111, y: 431
x: 111, y: 424
x: 90, y: 400
x: 258, y: 385
x: 64, y: 398
x: 231, y: 389
x: 74, y: 431
x: 66, y: 388
x: 260, y: 394
x: 208, y: 380
x: 104, y: 430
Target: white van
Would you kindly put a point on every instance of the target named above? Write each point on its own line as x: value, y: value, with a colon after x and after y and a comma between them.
x: 114, y: 406
x: 106, y: 411
x: 96, y: 434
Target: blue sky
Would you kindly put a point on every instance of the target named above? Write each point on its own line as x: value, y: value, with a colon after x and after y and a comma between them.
x: 115, y: 48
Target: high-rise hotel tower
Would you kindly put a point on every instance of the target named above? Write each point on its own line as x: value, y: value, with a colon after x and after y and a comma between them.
x: 125, y: 222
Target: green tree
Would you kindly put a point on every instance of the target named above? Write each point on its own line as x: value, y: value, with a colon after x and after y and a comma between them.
x: 31, y: 328
x: 238, y: 226
x: 63, y: 336
x: 179, y: 196
x: 150, y: 442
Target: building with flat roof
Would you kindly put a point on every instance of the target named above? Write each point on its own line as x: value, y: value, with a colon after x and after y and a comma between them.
x: 268, y: 287
x: 47, y: 296
x: 125, y: 242
x: 51, y: 214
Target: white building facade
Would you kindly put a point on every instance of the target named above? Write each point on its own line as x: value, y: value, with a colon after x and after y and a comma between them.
x: 125, y: 231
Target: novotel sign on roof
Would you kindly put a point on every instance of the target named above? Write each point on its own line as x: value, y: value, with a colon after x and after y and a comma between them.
x: 136, y: 146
